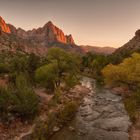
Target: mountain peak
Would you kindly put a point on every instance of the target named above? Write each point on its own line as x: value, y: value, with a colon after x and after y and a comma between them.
x: 137, y: 33
x: 45, y: 35
x: 70, y: 39
x: 3, y: 26
x: 55, y: 34
x: 50, y: 23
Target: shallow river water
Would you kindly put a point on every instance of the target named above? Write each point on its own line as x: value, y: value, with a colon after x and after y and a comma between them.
x: 101, y: 116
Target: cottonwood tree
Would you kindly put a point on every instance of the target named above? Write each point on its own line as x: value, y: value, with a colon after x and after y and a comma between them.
x: 126, y: 73
x: 61, y: 67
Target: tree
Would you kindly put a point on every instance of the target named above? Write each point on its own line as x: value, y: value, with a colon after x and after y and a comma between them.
x: 47, y: 76
x: 19, y: 64
x: 33, y: 64
x: 98, y: 63
x: 61, y: 64
x: 126, y: 73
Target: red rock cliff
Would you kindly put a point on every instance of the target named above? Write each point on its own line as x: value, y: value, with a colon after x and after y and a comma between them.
x: 47, y: 34
x: 3, y: 26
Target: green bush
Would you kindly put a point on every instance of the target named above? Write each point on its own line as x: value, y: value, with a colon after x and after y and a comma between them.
x: 6, y: 102
x: 44, y: 130
x: 71, y: 81
x: 4, y: 68
x: 67, y: 112
x: 132, y: 105
x: 56, y: 99
x: 26, y: 104
x: 18, y: 99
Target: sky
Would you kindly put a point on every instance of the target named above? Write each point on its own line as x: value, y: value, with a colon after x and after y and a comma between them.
x: 91, y: 22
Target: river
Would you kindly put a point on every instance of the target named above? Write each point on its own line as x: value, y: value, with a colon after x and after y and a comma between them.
x: 101, y: 116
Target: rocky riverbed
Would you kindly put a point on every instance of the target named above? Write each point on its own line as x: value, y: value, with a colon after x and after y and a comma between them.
x: 101, y: 116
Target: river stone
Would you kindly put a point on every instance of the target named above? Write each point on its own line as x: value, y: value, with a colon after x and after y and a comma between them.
x: 55, y: 129
x: 86, y: 112
x: 92, y: 117
x: 113, y: 124
x: 99, y: 134
x: 71, y: 128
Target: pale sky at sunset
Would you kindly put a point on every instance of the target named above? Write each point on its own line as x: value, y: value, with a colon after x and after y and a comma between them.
x: 91, y: 22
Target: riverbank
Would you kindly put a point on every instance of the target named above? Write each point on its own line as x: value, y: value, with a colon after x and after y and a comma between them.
x: 54, y: 114
x: 101, y: 116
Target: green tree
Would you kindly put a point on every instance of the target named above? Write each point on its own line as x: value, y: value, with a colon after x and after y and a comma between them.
x: 19, y: 64
x: 33, y: 64
x: 47, y: 76
x: 61, y: 64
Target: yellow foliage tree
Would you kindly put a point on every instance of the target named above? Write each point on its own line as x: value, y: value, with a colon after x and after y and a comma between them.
x: 127, y: 73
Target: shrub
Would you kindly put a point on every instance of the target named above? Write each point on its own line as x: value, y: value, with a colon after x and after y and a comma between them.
x: 4, y: 68
x: 71, y: 81
x: 67, y: 112
x: 132, y: 105
x: 26, y: 104
x: 44, y: 130
x: 56, y: 99
x: 6, y: 102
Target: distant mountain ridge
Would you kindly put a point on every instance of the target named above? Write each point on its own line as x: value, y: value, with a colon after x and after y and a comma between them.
x: 98, y: 50
x: 45, y: 35
x: 40, y: 39
x: 37, y: 40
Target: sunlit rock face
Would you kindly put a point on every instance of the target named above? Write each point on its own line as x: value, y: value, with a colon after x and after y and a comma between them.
x: 70, y: 39
x: 53, y: 33
x: 45, y: 35
x: 37, y: 40
x: 3, y: 26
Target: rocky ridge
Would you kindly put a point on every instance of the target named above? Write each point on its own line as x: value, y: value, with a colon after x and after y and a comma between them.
x: 45, y: 35
x: 98, y: 50
x: 34, y: 41
x: 132, y: 45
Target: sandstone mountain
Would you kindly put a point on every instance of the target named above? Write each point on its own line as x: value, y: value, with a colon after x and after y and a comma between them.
x: 36, y: 40
x: 45, y: 35
x: 131, y: 46
x: 39, y: 40
x: 98, y: 50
